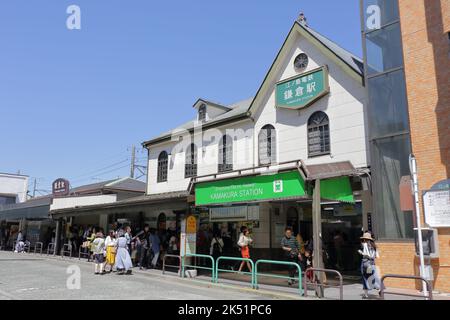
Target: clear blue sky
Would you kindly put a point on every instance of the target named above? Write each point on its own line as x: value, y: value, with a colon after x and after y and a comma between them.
x: 73, y: 102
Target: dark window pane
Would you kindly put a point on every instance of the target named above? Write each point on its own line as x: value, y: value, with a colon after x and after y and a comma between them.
x: 267, y: 145
x: 384, y: 49
x: 318, y: 134
x: 388, y: 105
x: 390, y: 162
x: 163, y: 161
x: 191, y: 161
x: 202, y: 113
x: 7, y: 200
x: 225, y: 154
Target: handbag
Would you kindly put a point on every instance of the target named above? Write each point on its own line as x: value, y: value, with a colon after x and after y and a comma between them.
x: 86, y: 244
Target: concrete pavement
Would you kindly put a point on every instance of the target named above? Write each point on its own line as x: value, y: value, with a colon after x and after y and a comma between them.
x: 34, y: 276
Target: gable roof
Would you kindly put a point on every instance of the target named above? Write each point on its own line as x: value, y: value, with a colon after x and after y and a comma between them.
x: 346, y: 56
x: 236, y: 111
x: 210, y: 103
x: 350, y: 62
x: 122, y: 184
x: 243, y: 109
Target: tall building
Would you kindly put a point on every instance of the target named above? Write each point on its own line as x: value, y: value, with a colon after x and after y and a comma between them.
x: 407, y: 63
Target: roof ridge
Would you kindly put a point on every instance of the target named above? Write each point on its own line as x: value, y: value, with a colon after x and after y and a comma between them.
x: 332, y: 41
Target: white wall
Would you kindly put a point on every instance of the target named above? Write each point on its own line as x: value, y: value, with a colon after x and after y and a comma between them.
x: 72, y: 202
x: 344, y: 106
x: 17, y: 185
x: 207, y: 155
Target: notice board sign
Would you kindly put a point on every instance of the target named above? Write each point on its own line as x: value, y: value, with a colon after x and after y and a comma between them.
x: 436, y: 204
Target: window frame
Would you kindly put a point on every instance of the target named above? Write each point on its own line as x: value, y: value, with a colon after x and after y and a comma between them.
x: 163, y: 167
x: 323, y: 135
x: 190, y: 166
x: 202, y: 113
x: 225, y: 147
x: 271, y: 148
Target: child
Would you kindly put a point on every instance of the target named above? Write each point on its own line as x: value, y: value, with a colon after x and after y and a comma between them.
x: 309, y: 259
x: 98, y: 249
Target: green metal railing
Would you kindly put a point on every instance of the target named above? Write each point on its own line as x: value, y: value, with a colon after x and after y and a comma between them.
x: 184, y: 265
x: 252, y: 273
x: 285, y: 263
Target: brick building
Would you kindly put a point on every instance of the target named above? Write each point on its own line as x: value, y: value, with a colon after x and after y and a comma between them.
x: 407, y: 55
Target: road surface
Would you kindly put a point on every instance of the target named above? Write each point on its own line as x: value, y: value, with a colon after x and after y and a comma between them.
x: 29, y: 276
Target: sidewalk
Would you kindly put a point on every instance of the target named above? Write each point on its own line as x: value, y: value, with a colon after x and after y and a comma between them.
x: 270, y: 287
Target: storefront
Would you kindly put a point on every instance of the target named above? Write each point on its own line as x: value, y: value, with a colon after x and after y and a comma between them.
x: 31, y: 217
x: 267, y: 204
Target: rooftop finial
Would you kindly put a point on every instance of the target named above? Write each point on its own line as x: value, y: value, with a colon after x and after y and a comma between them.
x: 302, y: 19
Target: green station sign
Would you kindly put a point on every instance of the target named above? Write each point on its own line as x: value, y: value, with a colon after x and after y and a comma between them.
x: 303, y: 90
x: 246, y: 189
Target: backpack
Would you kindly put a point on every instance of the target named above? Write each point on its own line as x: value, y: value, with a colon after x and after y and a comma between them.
x: 217, y: 248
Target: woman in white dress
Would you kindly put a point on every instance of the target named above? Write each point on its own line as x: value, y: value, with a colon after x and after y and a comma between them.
x: 123, y: 262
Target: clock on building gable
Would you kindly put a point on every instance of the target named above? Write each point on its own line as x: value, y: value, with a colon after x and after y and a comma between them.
x: 301, y: 62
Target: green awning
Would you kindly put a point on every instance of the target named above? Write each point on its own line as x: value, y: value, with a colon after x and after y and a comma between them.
x: 338, y: 189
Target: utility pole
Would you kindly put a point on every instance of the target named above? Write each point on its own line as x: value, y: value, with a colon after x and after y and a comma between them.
x: 317, y: 236
x: 34, y: 188
x: 136, y: 166
x: 133, y: 161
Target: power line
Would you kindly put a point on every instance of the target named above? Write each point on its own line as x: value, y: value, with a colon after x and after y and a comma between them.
x: 91, y: 173
x: 99, y: 174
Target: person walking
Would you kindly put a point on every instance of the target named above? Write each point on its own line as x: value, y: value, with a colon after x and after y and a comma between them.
x: 110, y: 244
x: 156, y: 247
x: 291, y: 249
x: 144, y: 248
x: 216, y: 247
x: 128, y: 237
x: 98, y: 249
x: 173, y: 244
x: 244, y: 244
x: 369, y: 273
x: 123, y: 259
x: 91, y: 239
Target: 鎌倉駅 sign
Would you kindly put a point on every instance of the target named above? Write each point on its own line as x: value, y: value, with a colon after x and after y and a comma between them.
x: 247, y: 189
x: 302, y: 90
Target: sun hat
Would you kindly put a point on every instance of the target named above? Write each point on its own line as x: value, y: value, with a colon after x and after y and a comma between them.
x: 367, y: 236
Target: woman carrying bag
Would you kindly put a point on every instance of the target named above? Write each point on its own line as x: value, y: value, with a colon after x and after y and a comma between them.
x: 244, y: 244
x: 369, y: 253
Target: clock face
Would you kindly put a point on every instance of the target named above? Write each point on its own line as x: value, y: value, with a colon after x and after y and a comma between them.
x: 301, y: 62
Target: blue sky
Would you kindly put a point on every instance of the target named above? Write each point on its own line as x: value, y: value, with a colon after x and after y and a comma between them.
x: 73, y: 102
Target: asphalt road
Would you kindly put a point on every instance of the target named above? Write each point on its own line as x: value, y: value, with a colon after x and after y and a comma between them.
x: 35, y: 277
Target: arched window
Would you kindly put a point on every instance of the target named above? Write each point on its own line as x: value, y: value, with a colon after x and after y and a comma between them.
x: 202, y: 113
x: 318, y: 134
x: 226, y: 154
x: 267, y: 145
x: 190, y: 169
x: 163, y: 161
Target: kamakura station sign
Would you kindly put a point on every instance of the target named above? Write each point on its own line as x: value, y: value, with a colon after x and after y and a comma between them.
x: 302, y: 90
x: 248, y: 189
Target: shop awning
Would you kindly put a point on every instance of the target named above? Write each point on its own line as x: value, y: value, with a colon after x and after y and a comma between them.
x: 338, y: 189
x: 29, y: 213
x: 169, y: 199
x: 329, y: 170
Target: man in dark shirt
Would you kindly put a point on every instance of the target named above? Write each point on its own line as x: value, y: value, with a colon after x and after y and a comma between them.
x: 144, y: 238
x: 291, y: 248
